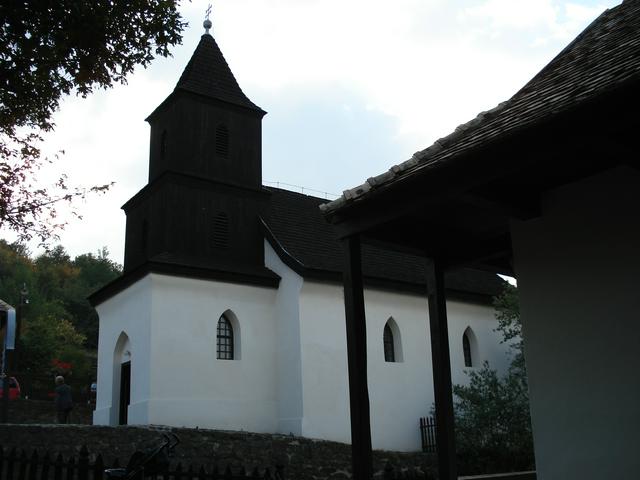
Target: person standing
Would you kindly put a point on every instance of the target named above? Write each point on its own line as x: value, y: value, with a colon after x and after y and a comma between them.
x: 64, y: 403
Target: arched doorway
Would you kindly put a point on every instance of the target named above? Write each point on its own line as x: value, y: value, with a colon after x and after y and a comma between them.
x: 121, y: 388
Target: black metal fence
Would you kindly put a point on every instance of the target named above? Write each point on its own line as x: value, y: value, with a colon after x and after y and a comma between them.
x: 16, y: 465
x: 428, y: 434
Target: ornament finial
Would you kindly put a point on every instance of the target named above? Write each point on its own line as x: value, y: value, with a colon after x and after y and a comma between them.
x: 207, y: 23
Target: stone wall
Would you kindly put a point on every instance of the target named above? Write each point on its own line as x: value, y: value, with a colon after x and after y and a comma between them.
x: 303, y: 458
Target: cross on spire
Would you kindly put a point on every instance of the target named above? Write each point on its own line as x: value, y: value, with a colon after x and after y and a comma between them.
x: 207, y: 23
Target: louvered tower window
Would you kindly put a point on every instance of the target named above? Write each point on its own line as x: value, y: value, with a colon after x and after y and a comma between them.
x: 144, y: 235
x: 163, y: 144
x: 389, y: 348
x: 222, y: 141
x: 224, y: 339
x: 221, y: 231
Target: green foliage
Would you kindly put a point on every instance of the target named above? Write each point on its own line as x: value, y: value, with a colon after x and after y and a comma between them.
x: 58, y: 323
x: 52, y: 49
x: 48, y: 338
x: 493, y: 426
x: 507, y: 311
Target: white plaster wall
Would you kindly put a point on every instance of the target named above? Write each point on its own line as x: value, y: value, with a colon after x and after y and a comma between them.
x: 130, y: 312
x: 578, y: 267
x: 189, y: 386
x: 288, y: 351
x: 399, y: 392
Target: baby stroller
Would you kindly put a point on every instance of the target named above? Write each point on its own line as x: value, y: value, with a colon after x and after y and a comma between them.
x: 152, y: 462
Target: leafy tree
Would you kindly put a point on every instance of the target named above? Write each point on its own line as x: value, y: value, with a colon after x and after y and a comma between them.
x: 493, y: 426
x: 52, y: 49
x: 59, y: 324
x: 94, y: 272
x: 49, y: 346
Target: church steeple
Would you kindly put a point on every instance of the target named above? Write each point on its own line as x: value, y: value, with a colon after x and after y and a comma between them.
x: 205, y: 197
x: 207, y: 127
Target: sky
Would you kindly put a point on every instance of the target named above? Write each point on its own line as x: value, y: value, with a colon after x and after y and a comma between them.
x: 351, y: 88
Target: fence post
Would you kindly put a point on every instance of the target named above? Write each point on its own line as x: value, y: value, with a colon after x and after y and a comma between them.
x: 33, y: 465
x: 71, y: 468
x: 228, y: 474
x: 46, y: 461
x: 59, y: 463
x: 177, y: 474
x: 98, y: 468
x: 83, y: 463
x: 22, y: 469
x: 10, y: 462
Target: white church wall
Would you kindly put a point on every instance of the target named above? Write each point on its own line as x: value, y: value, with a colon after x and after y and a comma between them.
x: 288, y: 351
x: 577, y: 268
x: 128, y: 312
x: 324, y: 362
x: 486, y: 345
x: 189, y: 385
x: 399, y: 392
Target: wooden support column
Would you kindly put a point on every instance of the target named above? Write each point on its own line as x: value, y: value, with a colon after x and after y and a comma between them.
x: 362, y: 460
x: 445, y: 439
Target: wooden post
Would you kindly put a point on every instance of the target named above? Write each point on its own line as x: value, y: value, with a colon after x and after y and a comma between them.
x: 362, y: 459
x: 445, y: 439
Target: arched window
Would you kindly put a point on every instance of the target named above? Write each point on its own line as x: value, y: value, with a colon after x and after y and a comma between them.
x: 389, y: 348
x: 221, y: 231
x: 466, y: 348
x: 222, y: 141
x: 224, y: 339
x: 392, y: 342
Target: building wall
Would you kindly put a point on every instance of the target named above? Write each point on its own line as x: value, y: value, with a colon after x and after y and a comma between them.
x: 288, y: 351
x: 176, y: 378
x: 189, y: 385
x: 291, y: 374
x: 400, y: 392
x: 125, y: 316
x: 577, y: 268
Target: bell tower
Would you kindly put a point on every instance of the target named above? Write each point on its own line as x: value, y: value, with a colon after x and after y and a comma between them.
x: 202, y: 205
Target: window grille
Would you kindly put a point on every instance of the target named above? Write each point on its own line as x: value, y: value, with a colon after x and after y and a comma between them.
x: 224, y: 339
x: 389, y: 349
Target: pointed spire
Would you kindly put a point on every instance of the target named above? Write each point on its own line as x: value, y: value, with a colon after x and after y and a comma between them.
x: 208, y: 73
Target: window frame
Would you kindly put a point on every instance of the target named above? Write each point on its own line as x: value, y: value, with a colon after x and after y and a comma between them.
x: 224, y: 339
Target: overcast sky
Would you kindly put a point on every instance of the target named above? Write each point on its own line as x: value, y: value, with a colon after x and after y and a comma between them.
x: 351, y: 87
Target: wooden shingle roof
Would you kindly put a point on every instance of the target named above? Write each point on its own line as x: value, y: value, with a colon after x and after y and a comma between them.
x: 208, y: 74
x: 301, y: 234
x: 604, y: 57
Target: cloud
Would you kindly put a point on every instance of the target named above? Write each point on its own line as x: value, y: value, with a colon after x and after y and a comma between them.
x: 361, y: 83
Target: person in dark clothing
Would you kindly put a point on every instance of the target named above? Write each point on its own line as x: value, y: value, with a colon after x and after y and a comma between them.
x: 64, y: 403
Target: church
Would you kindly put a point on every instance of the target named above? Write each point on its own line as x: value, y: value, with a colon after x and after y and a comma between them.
x: 229, y: 313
